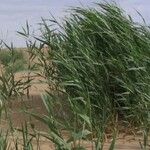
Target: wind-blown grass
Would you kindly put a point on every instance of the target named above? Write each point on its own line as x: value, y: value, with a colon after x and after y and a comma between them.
x: 99, y: 60
x: 102, y: 59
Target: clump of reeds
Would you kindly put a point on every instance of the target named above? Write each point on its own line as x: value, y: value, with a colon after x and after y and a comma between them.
x: 102, y: 60
x: 99, y: 60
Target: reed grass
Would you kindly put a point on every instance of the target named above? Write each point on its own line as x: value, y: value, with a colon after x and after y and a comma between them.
x: 102, y: 60
x: 99, y: 62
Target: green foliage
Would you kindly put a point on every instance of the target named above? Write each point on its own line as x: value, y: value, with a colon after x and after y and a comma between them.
x: 4, y: 57
x: 99, y: 62
x: 99, y: 59
x: 9, y: 86
x: 7, y: 60
x: 4, y: 144
x: 7, y: 143
x: 102, y: 60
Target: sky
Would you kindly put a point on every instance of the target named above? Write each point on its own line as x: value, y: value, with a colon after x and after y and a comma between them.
x: 15, y: 13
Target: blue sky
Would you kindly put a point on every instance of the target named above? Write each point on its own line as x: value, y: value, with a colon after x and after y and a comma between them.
x: 14, y: 13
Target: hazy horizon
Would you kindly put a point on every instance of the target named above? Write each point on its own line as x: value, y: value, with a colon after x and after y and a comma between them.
x: 15, y: 13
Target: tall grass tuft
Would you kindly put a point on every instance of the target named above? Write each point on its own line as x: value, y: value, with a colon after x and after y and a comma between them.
x: 102, y: 60
x: 99, y: 60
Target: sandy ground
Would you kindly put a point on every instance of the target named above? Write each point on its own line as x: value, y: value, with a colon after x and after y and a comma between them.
x: 124, y: 142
